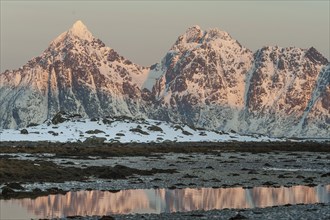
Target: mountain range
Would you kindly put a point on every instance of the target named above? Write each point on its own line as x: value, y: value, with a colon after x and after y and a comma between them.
x: 207, y: 79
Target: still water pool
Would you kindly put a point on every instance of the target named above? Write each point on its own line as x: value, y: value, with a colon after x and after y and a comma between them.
x: 97, y: 202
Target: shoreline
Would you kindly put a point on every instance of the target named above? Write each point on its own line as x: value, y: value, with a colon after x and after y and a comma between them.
x: 163, y: 147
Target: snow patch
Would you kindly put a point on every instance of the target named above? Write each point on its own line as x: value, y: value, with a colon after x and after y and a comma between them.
x: 124, y: 131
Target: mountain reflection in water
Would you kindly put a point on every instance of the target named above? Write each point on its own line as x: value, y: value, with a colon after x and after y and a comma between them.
x: 164, y: 200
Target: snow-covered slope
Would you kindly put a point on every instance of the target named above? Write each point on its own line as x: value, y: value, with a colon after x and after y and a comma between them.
x: 316, y: 117
x: 121, y: 129
x: 207, y: 79
x: 77, y: 74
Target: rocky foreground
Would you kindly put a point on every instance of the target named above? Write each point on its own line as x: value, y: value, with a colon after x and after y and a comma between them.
x: 26, y: 166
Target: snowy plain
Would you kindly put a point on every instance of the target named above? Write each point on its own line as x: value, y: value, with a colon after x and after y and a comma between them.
x: 123, y: 131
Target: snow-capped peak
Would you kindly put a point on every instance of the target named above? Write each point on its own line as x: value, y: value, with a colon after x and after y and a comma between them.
x: 80, y: 30
x: 79, y: 25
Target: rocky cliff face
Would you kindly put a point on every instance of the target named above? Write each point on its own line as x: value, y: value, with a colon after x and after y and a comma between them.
x: 207, y: 79
x: 204, y: 77
x: 284, y: 85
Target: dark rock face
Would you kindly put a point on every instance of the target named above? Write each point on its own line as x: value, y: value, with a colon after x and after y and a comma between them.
x: 313, y: 55
x: 59, y: 118
x: 207, y: 79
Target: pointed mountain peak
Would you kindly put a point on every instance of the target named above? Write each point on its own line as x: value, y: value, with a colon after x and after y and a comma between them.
x: 77, y: 31
x: 80, y: 30
x: 79, y: 25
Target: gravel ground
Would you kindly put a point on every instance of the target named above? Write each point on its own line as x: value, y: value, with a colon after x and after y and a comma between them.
x: 194, y: 170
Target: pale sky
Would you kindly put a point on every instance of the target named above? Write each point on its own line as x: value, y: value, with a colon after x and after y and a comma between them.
x: 143, y: 31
